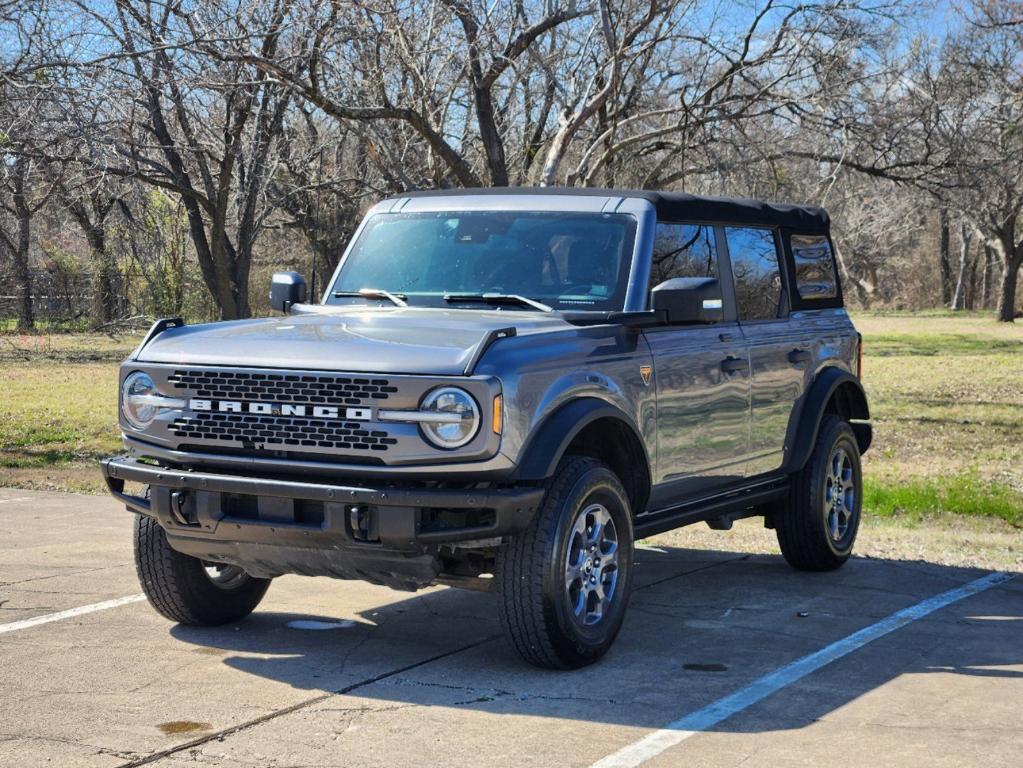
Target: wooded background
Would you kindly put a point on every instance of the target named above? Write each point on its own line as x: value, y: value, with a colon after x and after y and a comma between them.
x: 163, y: 158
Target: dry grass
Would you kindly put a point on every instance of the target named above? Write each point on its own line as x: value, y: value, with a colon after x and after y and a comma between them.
x: 66, y: 347
x: 58, y: 408
x: 947, y: 401
x: 945, y: 539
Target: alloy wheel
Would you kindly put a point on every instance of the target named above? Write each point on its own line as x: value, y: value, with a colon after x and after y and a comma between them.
x: 591, y: 565
x: 839, y: 494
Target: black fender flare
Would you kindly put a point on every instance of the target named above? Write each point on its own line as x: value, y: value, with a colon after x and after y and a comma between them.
x: 810, y: 409
x: 547, y: 443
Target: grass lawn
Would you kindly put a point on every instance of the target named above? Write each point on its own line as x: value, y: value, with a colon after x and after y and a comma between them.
x: 945, y: 391
x: 58, y: 408
x: 945, y: 394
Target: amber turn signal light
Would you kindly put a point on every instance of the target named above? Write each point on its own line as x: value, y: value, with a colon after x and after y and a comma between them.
x: 498, y: 414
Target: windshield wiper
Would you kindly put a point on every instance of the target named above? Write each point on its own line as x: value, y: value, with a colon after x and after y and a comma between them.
x: 497, y: 298
x: 373, y: 293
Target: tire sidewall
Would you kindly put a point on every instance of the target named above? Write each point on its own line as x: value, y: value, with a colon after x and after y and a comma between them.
x: 596, y: 484
x: 179, y: 588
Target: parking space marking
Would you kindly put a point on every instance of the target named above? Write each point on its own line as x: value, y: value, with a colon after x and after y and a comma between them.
x: 70, y: 613
x: 676, y: 732
x: 11, y: 501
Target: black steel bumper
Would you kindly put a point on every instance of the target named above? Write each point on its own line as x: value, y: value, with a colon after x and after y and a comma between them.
x: 270, y: 526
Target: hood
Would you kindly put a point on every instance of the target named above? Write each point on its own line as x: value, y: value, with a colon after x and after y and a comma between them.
x: 401, y: 340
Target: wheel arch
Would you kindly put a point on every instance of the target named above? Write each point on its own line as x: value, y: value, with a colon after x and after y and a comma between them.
x: 833, y: 391
x: 590, y: 427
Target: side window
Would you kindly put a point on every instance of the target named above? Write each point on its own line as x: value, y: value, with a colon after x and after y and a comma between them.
x: 754, y: 257
x: 815, y: 267
x: 683, y: 250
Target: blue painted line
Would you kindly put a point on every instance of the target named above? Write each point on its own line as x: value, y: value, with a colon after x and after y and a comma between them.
x: 676, y: 732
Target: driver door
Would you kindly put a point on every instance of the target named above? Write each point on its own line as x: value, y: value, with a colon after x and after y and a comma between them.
x: 701, y: 374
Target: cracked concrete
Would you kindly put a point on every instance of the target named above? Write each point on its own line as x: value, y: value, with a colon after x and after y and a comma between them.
x: 426, y: 680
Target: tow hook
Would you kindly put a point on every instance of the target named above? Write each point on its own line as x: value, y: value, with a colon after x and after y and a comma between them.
x: 178, y: 500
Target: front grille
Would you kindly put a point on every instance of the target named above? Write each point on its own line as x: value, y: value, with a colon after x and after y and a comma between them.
x: 250, y: 430
x: 282, y: 387
x: 282, y: 432
x: 283, y: 415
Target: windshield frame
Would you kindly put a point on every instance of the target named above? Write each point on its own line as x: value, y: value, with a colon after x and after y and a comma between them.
x: 635, y: 272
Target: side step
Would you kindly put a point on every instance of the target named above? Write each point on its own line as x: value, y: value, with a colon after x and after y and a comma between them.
x: 718, y: 511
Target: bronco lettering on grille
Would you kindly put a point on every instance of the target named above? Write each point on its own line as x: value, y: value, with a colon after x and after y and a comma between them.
x: 282, y: 409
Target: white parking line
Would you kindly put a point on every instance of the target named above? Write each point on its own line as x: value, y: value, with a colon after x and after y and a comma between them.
x: 70, y: 613
x: 678, y: 731
x: 18, y: 498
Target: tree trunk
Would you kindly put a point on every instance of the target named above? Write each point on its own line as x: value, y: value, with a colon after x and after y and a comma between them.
x: 1007, y: 295
x: 23, y: 275
x: 959, y: 298
x: 91, y: 213
x: 240, y: 280
x: 22, y: 272
x: 987, y: 278
x: 864, y: 288
x: 1012, y: 255
x: 493, y: 145
x: 972, y: 288
x: 105, y: 300
x: 945, y: 262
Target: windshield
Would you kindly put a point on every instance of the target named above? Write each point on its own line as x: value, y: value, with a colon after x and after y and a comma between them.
x: 569, y: 261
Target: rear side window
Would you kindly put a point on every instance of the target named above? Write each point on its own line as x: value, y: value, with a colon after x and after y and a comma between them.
x: 683, y: 250
x: 758, y: 287
x: 815, y: 267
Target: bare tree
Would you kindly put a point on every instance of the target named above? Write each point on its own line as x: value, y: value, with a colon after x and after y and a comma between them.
x: 175, y: 116
x: 25, y: 187
x: 990, y: 60
x: 960, y: 295
x: 252, y: 117
x: 90, y: 206
x: 19, y: 202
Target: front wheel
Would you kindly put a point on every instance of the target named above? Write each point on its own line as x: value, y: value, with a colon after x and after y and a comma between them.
x: 564, y: 582
x: 187, y: 590
x: 817, y: 528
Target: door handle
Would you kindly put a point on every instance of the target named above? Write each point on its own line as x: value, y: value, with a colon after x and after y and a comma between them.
x: 797, y: 356
x: 733, y: 364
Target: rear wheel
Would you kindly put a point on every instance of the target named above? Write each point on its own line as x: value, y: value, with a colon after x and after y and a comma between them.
x: 564, y: 582
x: 187, y: 590
x: 817, y: 528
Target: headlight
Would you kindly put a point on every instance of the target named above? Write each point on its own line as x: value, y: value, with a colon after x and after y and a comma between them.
x: 457, y: 417
x: 139, y: 399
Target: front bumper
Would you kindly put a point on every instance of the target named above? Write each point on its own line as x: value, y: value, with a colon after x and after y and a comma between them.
x: 386, y: 534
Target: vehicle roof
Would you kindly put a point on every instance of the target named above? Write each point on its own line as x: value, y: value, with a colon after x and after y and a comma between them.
x: 676, y: 206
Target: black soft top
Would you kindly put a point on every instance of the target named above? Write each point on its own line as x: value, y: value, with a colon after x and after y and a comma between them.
x: 678, y: 206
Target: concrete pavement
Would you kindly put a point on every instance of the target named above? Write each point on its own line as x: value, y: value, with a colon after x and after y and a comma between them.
x: 425, y: 679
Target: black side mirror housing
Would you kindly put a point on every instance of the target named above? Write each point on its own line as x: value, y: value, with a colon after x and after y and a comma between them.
x: 286, y: 288
x: 688, y: 300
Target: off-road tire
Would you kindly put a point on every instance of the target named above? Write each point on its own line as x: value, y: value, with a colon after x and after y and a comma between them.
x: 179, y: 588
x: 802, y: 525
x: 530, y: 572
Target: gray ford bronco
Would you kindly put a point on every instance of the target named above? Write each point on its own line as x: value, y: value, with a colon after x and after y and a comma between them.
x: 503, y: 390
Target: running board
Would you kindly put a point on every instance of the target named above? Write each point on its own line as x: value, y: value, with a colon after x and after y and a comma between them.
x: 733, y: 505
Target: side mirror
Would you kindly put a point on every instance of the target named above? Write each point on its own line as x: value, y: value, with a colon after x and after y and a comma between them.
x: 688, y: 300
x: 286, y: 288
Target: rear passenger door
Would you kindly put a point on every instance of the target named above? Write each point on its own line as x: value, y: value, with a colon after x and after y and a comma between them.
x: 779, y: 358
x: 701, y: 374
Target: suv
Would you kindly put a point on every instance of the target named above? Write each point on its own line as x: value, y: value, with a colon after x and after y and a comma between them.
x: 504, y: 390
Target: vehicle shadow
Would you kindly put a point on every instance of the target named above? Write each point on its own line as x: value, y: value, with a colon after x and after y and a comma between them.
x: 701, y: 625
